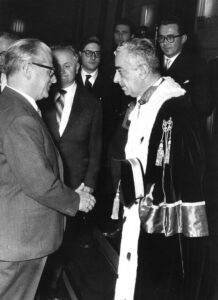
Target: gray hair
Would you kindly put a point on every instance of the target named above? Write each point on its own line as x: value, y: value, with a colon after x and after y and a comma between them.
x: 143, y: 51
x: 68, y: 48
x: 9, y: 36
x: 24, y: 50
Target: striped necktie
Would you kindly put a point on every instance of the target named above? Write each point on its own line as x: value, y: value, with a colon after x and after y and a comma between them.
x: 60, y: 105
x: 167, y: 63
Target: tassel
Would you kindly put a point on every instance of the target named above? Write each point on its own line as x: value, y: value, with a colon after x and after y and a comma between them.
x: 169, y: 126
x: 116, y: 205
x: 167, y: 156
x: 160, y: 154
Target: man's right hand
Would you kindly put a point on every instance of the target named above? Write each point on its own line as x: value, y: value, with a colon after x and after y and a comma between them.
x: 87, y: 201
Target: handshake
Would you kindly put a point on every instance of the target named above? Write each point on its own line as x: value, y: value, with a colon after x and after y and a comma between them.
x: 87, y: 201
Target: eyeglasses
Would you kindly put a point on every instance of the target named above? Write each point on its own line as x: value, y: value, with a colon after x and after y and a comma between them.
x: 90, y: 53
x: 169, y: 38
x: 52, y: 69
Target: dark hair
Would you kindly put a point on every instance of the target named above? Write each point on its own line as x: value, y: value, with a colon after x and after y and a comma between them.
x: 174, y: 20
x: 124, y: 21
x: 90, y: 39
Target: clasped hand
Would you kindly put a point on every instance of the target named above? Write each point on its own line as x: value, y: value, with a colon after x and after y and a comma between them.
x: 87, y: 201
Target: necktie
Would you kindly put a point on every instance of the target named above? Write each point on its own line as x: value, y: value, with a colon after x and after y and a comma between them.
x: 88, y: 84
x: 167, y: 63
x: 60, y: 105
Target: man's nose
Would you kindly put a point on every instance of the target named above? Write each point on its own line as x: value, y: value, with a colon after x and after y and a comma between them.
x: 116, y: 77
x: 93, y: 56
x: 53, y: 79
x: 61, y: 70
x: 165, y: 42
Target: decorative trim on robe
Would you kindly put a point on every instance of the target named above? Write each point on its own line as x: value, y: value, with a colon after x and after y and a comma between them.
x: 171, y: 218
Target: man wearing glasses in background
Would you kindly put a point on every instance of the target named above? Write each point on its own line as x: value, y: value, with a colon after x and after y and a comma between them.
x: 105, y: 90
x: 182, y: 64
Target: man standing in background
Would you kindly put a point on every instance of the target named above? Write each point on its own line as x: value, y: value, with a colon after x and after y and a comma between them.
x: 185, y: 67
x: 74, y: 119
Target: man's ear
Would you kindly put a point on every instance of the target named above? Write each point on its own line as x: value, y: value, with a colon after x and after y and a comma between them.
x: 27, y: 70
x: 143, y: 71
x: 184, y: 38
x: 77, y: 67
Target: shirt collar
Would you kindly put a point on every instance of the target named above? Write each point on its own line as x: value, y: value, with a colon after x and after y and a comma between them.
x: 171, y: 58
x: 93, y: 74
x: 70, y: 87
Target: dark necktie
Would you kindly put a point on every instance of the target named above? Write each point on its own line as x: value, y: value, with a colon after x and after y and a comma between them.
x: 60, y: 105
x: 88, y: 84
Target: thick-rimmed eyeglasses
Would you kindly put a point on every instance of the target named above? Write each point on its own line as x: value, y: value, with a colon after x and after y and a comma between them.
x: 52, y: 69
x: 90, y: 53
x: 169, y: 38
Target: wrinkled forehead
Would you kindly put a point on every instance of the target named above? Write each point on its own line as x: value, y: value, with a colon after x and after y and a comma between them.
x: 124, y: 59
x: 64, y: 56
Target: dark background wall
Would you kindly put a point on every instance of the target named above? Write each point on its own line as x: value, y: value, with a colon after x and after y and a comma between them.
x: 69, y: 21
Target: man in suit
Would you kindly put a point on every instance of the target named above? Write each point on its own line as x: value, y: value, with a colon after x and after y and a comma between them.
x: 77, y: 134
x: 185, y: 67
x: 33, y: 198
x: 91, y: 77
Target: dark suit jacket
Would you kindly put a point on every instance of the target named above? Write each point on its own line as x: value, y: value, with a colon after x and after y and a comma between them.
x: 33, y: 199
x: 190, y: 71
x: 105, y: 90
x: 80, y: 143
x: 113, y: 107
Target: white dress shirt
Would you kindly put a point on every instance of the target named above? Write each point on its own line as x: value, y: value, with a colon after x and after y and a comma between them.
x: 92, y: 78
x: 68, y: 102
x: 171, y: 60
